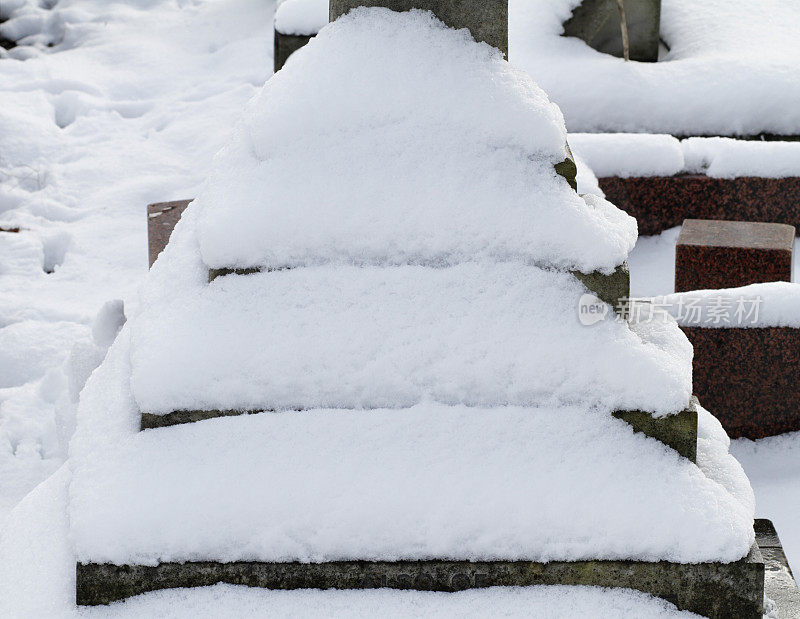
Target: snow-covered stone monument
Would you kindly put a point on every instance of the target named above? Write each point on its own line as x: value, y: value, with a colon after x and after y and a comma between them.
x: 360, y: 361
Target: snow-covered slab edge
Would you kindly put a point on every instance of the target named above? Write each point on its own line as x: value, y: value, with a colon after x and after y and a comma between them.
x: 641, y: 155
x: 775, y: 304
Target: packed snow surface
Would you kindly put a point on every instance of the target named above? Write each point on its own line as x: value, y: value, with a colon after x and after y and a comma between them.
x: 731, y: 69
x: 301, y: 17
x: 453, y: 482
x: 639, y: 154
x: 391, y: 139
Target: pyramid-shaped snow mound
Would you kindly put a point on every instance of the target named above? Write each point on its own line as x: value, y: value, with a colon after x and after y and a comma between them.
x: 396, y: 140
x: 397, y: 293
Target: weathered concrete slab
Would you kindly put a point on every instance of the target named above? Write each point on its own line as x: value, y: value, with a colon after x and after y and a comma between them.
x: 779, y: 583
x: 677, y: 431
x: 598, y: 23
x: 286, y: 45
x: 487, y: 20
x: 711, y: 589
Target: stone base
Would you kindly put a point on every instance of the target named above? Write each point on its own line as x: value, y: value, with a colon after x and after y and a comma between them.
x: 161, y: 220
x: 711, y: 254
x: 662, y: 202
x: 779, y: 583
x: 597, y: 22
x: 749, y: 378
x: 286, y: 45
x: 711, y: 589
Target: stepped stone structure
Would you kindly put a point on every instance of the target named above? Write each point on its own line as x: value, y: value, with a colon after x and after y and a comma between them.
x: 712, y: 588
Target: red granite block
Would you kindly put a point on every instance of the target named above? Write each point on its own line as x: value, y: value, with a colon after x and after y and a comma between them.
x: 749, y: 378
x: 161, y: 220
x: 662, y: 202
x: 713, y: 254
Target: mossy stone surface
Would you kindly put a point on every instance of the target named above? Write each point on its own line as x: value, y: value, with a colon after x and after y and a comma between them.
x: 714, y: 590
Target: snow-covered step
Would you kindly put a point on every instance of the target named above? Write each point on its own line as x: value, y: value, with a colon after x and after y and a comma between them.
x: 480, y: 334
x: 433, y: 497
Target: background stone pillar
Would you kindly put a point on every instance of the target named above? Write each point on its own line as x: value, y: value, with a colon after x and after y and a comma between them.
x: 487, y: 20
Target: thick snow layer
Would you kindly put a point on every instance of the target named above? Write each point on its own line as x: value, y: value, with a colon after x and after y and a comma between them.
x: 639, y: 154
x: 731, y: 69
x: 392, y: 139
x: 352, y: 337
x: 629, y: 154
x: 301, y: 17
x: 453, y: 482
x: 727, y: 158
x: 37, y: 579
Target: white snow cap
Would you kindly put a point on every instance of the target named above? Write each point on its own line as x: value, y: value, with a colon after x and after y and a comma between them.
x: 301, y: 17
x: 392, y: 139
x: 644, y: 154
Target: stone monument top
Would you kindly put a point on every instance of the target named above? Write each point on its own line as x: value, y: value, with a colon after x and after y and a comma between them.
x: 487, y: 20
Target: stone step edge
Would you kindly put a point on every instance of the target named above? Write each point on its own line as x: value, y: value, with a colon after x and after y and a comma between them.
x: 678, y: 431
x: 613, y: 289
x: 711, y: 589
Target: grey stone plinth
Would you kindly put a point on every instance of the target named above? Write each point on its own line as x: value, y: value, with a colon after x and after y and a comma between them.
x: 714, y: 590
x: 614, y: 289
x: 678, y: 431
x: 487, y: 20
x: 779, y: 583
x: 598, y: 23
x: 286, y: 45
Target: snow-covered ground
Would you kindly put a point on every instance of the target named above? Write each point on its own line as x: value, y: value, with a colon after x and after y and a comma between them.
x: 126, y: 107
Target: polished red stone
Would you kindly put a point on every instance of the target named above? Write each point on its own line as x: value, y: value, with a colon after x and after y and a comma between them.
x: 713, y: 254
x: 161, y: 220
x: 749, y: 378
x: 662, y: 202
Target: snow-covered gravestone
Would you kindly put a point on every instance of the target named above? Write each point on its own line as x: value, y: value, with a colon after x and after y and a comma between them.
x: 393, y: 296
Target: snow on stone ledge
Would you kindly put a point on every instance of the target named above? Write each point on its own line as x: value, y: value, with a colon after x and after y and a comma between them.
x: 431, y: 481
x: 641, y: 154
x: 301, y: 17
x: 731, y: 69
x: 391, y: 139
x: 344, y: 336
x: 775, y: 304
